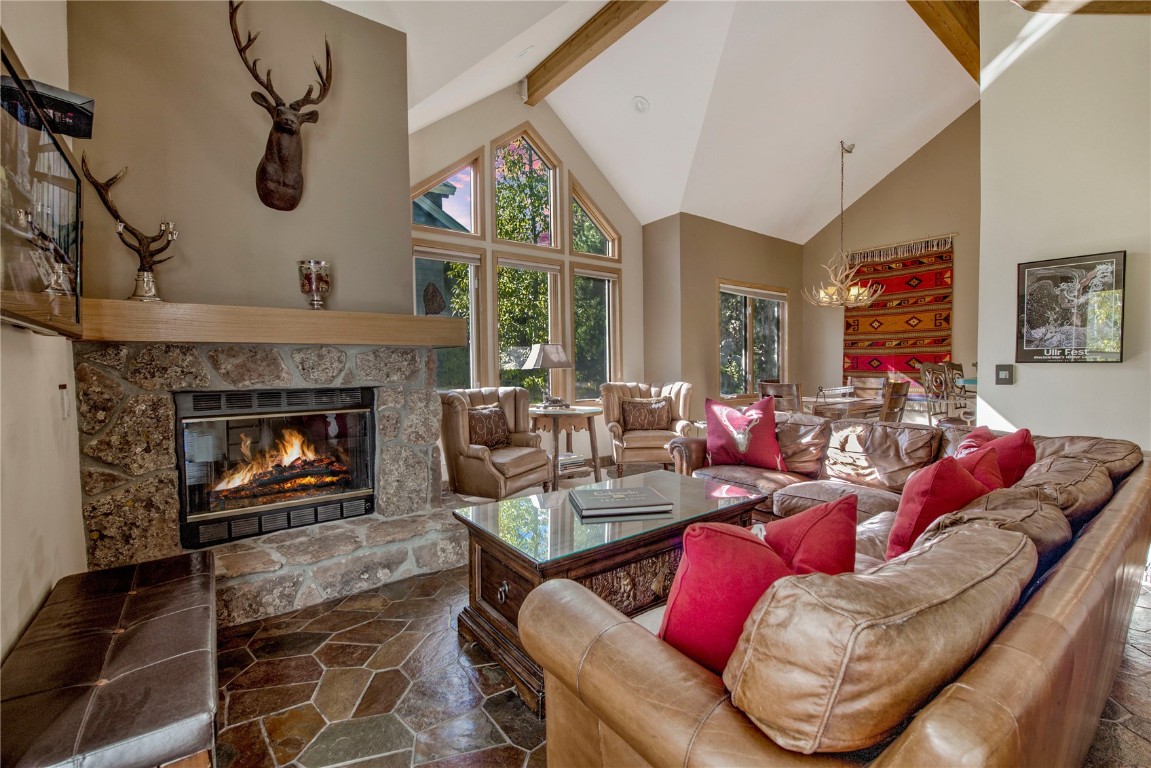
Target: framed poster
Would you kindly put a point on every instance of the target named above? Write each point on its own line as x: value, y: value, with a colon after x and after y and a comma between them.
x: 1071, y: 310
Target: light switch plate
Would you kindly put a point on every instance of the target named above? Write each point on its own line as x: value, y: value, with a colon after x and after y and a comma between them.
x: 1005, y: 374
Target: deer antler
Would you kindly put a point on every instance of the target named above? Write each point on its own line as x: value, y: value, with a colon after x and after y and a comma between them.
x: 143, y: 243
x: 325, y: 81
x: 265, y: 82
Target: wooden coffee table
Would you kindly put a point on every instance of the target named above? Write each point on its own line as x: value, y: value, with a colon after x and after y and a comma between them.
x: 515, y: 545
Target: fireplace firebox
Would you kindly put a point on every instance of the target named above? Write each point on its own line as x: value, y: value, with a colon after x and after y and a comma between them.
x: 257, y: 461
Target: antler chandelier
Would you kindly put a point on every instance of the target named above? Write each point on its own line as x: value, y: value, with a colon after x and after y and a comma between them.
x: 842, y: 291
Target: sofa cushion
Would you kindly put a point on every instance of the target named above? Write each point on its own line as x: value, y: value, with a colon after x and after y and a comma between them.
x: 488, y: 425
x: 792, y: 499
x: 645, y: 412
x: 837, y: 663
x: 879, y: 455
x: 515, y: 460
x: 765, y: 480
x: 1016, y: 450
x: 803, y: 439
x: 819, y: 540
x: 932, y: 492
x: 1118, y: 457
x: 1079, y: 487
x: 983, y: 464
x: 1025, y: 510
x: 746, y: 436
x: 648, y: 438
x: 871, y: 537
x: 723, y: 571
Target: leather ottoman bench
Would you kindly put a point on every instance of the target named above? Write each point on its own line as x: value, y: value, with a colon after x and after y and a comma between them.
x: 117, y: 669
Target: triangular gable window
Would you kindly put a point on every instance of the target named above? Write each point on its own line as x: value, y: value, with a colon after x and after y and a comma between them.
x: 447, y: 201
x: 591, y: 233
x: 525, y: 189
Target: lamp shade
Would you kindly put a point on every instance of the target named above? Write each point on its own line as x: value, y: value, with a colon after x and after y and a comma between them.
x: 547, y: 356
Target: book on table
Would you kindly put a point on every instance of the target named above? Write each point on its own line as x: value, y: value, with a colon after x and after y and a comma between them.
x: 638, y: 517
x: 596, y: 502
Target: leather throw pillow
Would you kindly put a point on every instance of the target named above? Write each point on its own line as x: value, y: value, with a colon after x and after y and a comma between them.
x: 488, y: 425
x: 645, y: 413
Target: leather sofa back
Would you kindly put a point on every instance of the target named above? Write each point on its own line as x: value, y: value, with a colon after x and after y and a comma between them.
x: 803, y: 440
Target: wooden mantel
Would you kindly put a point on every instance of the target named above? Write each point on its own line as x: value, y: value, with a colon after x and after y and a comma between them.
x: 121, y: 320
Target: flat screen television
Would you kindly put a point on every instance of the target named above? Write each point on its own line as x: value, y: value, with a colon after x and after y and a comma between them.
x: 40, y: 224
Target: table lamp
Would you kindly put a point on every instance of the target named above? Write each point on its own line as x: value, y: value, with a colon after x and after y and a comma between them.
x: 546, y: 357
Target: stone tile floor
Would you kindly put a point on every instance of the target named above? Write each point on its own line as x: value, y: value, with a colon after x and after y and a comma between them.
x: 380, y: 679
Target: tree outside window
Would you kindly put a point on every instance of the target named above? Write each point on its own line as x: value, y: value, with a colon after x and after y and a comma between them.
x: 592, y: 334
x: 524, y: 183
x: 750, y: 341
x: 523, y: 301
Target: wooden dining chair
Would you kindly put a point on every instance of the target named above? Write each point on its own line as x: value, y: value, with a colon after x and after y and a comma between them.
x: 786, y: 395
x: 894, y: 400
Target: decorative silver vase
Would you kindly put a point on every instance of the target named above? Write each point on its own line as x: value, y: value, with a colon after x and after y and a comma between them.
x: 315, y: 281
x: 145, y: 287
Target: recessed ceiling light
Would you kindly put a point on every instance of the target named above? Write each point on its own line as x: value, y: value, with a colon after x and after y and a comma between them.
x: 526, y: 51
x: 641, y: 104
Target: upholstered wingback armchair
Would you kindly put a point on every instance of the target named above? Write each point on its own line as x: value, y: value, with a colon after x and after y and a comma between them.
x: 646, y: 445
x: 489, y: 462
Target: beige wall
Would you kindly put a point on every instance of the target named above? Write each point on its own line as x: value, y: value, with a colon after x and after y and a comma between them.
x: 173, y: 105
x: 708, y: 252
x: 934, y: 192
x: 1066, y: 171
x: 662, y: 320
x: 41, y: 532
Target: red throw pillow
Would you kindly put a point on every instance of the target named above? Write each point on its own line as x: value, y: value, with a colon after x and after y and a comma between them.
x: 930, y: 493
x: 745, y: 436
x: 1016, y: 451
x: 817, y: 540
x: 983, y: 465
x: 723, y: 572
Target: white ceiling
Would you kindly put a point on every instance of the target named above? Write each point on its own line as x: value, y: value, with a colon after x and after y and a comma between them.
x: 748, y: 99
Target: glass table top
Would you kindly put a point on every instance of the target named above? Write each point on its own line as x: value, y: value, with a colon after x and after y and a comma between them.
x: 545, y: 527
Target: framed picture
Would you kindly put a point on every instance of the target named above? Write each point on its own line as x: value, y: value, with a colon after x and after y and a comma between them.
x: 1071, y: 310
x: 40, y: 217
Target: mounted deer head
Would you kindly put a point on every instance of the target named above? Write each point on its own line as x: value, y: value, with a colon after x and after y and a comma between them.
x: 280, y: 176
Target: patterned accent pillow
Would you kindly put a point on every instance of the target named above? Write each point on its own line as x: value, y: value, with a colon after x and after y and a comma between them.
x: 645, y: 412
x: 488, y: 425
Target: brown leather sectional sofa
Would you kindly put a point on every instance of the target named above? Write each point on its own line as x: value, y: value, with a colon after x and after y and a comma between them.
x: 994, y: 641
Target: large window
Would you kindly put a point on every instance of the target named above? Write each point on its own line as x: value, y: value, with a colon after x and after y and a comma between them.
x: 446, y: 285
x: 525, y: 297
x: 594, y: 329
x: 752, y: 330
x: 525, y: 191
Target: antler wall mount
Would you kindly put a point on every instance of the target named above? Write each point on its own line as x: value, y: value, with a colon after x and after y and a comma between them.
x: 280, y: 176
x: 146, y: 247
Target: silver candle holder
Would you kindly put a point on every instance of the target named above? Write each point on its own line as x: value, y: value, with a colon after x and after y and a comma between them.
x: 315, y: 281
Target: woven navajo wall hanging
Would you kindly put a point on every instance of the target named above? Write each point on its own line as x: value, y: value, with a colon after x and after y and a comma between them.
x: 910, y: 322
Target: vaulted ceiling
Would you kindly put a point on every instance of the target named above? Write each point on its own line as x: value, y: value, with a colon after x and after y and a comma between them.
x: 746, y: 101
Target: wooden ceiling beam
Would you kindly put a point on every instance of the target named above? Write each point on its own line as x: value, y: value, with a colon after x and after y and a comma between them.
x: 1139, y: 7
x: 956, y: 24
x: 610, y: 23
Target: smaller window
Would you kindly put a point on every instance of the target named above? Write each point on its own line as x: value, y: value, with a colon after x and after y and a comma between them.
x: 525, y: 188
x: 447, y: 201
x: 752, y: 337
x: 592, y: 235
x: 595, y: 327
x: 445, y: 284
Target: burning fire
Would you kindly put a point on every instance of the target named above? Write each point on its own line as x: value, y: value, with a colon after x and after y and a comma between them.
x: 291, y: 448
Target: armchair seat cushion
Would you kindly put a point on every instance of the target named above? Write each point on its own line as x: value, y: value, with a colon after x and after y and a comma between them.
x: 515, y: 460
x: 648, y: 438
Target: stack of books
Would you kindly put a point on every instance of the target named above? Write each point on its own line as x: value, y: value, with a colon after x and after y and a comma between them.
x: 570, y: 461
x: 617, y: 504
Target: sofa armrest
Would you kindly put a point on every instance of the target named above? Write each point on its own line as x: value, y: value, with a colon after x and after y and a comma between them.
x: 681, y: 426
x: 688, y: 453
x: 478, y: 452
x: 667, y: 708
x: 616, y: 430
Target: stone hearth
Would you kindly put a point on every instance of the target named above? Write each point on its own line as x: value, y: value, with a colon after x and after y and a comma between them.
x: 129, y: 478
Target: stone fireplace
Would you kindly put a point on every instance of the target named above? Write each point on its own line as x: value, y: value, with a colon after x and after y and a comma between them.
x: 130, y: 480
